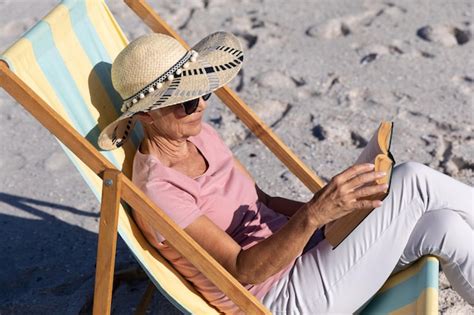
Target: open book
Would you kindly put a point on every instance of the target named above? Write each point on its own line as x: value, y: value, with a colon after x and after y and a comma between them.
x: 377, y: 152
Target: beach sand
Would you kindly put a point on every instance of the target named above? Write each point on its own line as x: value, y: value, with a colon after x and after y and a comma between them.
x: 322, y: 74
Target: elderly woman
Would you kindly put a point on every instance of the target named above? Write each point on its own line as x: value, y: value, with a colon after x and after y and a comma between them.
x: 274, y: 246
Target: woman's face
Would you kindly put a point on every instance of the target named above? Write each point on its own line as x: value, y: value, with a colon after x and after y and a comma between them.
x: 173, y: 123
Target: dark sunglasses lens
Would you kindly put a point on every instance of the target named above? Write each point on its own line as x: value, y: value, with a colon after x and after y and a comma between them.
x: 206, y: 97
x: 191, y: 106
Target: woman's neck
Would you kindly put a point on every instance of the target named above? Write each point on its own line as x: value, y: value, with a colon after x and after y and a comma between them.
x: 168, y: 151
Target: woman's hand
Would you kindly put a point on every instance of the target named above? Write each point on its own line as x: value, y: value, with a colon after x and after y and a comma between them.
x: 346, y: 192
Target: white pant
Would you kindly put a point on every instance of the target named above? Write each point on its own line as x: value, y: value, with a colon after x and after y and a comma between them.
x: 426, y: 212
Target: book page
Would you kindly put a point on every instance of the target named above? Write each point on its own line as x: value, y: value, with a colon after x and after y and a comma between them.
x: 371, y: 150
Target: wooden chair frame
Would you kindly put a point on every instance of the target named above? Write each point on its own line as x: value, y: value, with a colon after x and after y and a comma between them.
x: 117, y: 187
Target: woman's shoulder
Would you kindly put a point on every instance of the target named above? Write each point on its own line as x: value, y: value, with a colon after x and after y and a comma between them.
x: 144, y: 167
x: 155, y: 179
x: 147, y: 169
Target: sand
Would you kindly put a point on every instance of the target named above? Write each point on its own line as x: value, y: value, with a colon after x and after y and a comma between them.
x: 323, y: 74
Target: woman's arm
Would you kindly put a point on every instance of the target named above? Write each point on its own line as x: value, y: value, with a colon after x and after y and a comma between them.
x: 281, y: 205
x: 344, y: 193
x: 254, y: 265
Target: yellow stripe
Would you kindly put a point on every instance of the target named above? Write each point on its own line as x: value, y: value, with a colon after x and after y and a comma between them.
x: 406, y: 274
x: 426, y: 304
x: 409, y: 309
x: 107, y: 28
x: 430, y: 305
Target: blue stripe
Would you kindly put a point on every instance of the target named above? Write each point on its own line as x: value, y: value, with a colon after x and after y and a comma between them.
x: 405, y: 292
x: 52, y: 65
x: 96, y: 52
x: 85, y: 32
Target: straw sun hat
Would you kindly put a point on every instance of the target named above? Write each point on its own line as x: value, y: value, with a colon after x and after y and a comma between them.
x: 156, y: 71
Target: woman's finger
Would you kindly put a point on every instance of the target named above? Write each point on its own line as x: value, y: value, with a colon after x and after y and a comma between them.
x: 366, y: 204
x: 352, y: 171
x: 363, y: 179
x: 367, y: 191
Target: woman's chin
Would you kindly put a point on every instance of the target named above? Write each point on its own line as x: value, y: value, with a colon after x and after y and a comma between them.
x: 194, y: 127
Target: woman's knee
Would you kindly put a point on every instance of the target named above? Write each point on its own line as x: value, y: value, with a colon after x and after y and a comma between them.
x: 441, y: 233
x: 408, y: 179
x: 410, y: 169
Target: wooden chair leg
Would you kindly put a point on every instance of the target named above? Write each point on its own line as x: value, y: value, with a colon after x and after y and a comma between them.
x: 146, y: 299
x: 107, y: 243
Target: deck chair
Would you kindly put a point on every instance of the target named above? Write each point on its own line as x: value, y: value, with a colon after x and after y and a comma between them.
x: 60, y: 72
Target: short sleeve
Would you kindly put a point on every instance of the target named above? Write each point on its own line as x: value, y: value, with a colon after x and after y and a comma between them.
x: 178, y: 204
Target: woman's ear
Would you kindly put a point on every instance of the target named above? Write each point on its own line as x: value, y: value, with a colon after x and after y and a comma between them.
x: 144, y: 118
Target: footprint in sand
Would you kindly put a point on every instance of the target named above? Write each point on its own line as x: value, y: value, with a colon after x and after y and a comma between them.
x: 453, y: 156
x: 465, y: 84
x: 271, y: 111
x: 371, y: 52
x: 331, y: 29
x: 242, y: 27
x: 249, y: 39
x: 394, y: 10
x: 274, y: 79
x: 349, y: 24
x: 339, y: 134
x: 244, y: 23
x: 342, y: 26
x: 445, y: 35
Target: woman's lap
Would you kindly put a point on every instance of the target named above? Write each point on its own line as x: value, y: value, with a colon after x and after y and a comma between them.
x: 324, y: 280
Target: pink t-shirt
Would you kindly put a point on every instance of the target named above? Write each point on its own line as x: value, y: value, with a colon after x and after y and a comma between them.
x: 223, y: 193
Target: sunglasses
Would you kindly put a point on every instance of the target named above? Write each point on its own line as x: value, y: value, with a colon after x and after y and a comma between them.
x: 191, y: 106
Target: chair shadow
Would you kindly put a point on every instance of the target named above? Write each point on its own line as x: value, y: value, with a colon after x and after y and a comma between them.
x: 43, y: 256
x: 51, y: 263
x: 22, y: 203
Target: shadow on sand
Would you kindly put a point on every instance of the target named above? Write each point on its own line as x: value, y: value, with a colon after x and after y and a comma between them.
x: 48, y: 265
